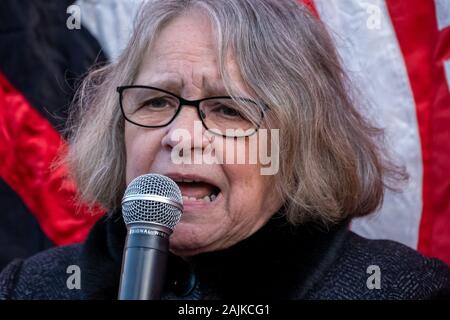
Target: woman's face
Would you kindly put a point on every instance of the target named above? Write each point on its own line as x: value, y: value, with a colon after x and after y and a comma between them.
x: 183, y: 61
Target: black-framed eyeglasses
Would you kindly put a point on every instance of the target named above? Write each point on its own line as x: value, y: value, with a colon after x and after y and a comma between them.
x: 227, y: 116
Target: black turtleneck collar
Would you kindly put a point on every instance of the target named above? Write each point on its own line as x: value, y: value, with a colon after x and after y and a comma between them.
x: 279, y: 261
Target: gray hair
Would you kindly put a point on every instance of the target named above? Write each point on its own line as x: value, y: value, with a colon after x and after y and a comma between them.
x: 331, y: 164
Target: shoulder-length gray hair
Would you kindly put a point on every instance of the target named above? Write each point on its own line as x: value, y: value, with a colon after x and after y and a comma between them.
x: 331, y: 164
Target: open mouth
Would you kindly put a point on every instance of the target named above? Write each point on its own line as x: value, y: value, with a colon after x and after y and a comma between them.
x: 196, y: 190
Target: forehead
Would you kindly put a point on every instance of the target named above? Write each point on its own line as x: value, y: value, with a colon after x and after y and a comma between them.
x: 185, y: 53
x: 188, y: 31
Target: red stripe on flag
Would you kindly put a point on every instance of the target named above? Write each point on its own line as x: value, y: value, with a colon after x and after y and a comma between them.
x: 29, y: 145
x: 424, y: 47
x: 311, y: 6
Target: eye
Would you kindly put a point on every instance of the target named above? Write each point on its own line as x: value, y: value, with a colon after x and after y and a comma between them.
x: 158, y: 103
x: 227, y: 111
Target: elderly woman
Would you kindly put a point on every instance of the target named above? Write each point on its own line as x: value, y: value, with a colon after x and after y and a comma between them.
x: 235, y: 68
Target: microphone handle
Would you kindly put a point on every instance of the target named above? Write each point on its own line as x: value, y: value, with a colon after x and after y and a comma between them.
x: 144, y: 263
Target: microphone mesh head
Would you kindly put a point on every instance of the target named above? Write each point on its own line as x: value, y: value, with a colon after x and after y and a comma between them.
x: 153, y: 211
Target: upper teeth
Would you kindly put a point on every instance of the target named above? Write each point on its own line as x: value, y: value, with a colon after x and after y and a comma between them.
x: 208, y: 198
x: 185, y: 180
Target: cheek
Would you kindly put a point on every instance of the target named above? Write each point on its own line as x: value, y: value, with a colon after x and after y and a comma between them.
x: 249, y: 191
x: 242, y: 168
x: 141, y: 147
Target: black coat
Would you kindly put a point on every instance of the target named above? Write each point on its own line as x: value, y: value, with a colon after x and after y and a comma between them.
x: 277, y: 262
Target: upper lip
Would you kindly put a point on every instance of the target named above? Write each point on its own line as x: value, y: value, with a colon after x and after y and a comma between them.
x: 180, y: 177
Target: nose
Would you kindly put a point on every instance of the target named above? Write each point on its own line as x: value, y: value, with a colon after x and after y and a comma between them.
x: 186, y: 131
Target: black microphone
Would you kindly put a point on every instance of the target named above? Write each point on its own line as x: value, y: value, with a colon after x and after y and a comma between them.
x: 151, y: 207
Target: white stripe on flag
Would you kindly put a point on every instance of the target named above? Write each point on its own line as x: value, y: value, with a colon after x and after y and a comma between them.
x: 447, y: 72
x: 442, y: 13
x: 367, y: 43
x: 110, y: 22
x: 443, y: 21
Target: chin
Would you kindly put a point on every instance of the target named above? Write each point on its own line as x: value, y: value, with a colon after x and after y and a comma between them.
x: 190, y: 239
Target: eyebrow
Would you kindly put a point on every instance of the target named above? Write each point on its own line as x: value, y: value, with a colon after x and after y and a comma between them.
x: 174, y: 84
x: 216, y: 89
x: 169, y: 84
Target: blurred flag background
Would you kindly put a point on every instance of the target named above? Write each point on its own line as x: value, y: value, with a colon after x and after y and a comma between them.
x: 397, y: 53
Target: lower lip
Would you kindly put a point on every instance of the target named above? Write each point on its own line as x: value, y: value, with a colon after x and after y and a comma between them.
x: 195, y: 205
